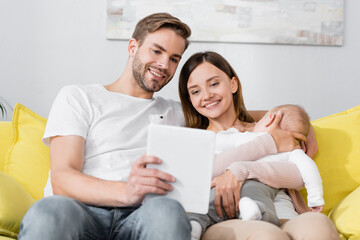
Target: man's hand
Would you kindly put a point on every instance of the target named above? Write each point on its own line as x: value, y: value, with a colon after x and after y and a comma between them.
x: 285, y: 140
x: 227, y: 192
x: 144, y: 180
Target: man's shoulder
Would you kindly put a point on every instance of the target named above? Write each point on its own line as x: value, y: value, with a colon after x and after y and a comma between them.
x: 79, y: 88
x: 78, y: 92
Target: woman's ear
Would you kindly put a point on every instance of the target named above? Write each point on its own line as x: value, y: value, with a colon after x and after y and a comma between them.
x: 234, y: 85
x: 132, y: 47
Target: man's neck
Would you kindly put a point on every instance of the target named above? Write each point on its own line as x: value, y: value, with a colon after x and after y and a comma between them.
x: 126, y: 84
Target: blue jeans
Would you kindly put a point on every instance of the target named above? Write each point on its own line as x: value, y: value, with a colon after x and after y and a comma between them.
x: 59, y: 217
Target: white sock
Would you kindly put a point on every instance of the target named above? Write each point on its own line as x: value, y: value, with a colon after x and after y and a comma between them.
x: 195, y: 230
x: 249, y: 210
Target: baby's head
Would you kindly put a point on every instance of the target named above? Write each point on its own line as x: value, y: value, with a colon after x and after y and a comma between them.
x: 294, y: 118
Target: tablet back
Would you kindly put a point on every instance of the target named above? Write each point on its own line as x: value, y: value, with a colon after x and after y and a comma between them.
x: 187, y: 154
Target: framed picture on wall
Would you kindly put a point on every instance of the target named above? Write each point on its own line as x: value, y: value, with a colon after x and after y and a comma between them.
x: 304, y: 22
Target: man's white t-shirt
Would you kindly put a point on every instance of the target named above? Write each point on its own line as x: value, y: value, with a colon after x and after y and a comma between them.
x: 114, y: 126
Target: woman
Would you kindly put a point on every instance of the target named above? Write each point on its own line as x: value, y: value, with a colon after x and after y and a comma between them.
x: 211, y: 97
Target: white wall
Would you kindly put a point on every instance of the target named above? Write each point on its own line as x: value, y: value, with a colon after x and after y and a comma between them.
x: 46, y: 44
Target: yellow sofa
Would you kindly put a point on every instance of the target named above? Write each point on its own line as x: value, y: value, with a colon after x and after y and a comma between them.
x: 24, y: 165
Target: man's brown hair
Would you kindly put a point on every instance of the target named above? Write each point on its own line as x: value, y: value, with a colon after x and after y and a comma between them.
x: 156, y: 21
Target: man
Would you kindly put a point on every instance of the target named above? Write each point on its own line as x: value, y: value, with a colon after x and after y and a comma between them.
x: 96, y: 133
x: 97, y: 137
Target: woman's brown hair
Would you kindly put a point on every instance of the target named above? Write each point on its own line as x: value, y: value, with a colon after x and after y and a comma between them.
x: 194, y: 119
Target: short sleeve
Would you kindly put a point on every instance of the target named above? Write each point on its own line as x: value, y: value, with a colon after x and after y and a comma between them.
x: 70, y: 114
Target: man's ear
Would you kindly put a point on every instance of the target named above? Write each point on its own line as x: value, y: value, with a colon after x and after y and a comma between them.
x: 234, y: 85
x: 132, y: 47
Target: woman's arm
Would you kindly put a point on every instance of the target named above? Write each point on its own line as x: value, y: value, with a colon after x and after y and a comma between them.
x: 257, y: 115
x: 240, y: 161
x: 311, y: 146
x: 277, y: 140
x: 227, y: 194
x: 275, y: 174
x: 252, y: 150
x: 228, y: 184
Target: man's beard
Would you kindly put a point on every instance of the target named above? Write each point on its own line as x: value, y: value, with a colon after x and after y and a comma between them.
x: 139, y: 71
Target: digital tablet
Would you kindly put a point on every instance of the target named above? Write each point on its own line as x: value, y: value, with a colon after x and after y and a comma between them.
x: 187, y: 154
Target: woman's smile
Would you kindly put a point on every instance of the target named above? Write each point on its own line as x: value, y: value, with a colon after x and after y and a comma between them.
x: 207, y: 106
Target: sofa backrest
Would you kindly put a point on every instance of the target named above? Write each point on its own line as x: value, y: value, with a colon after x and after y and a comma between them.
x: 338, y: 157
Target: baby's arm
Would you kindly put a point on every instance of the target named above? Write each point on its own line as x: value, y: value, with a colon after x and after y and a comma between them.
x: 318, y: 209
x: 311, y: 177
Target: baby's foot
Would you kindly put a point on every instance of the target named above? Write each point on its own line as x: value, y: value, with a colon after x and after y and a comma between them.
x: 195, y: 230
x: 249, y: 210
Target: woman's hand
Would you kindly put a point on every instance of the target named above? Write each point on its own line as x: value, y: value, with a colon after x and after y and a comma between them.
x: 227, y: 192
x: 285, y: 140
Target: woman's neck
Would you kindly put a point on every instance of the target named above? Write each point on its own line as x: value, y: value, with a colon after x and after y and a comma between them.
x: 218, y: 126
x: 222, y: 124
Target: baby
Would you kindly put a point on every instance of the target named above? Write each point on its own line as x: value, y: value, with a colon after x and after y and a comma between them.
x: 257, y: 199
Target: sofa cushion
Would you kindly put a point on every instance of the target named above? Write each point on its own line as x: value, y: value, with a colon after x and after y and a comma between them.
x: 346, y: 216
x: 338, y: 157
x: 14, y: 202
x: 28, y: 159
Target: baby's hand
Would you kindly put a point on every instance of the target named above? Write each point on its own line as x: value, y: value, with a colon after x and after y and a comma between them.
x: 317, y: 209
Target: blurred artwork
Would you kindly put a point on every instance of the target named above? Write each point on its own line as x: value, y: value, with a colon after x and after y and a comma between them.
x: 6, y: 110
x: 304, y: 22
